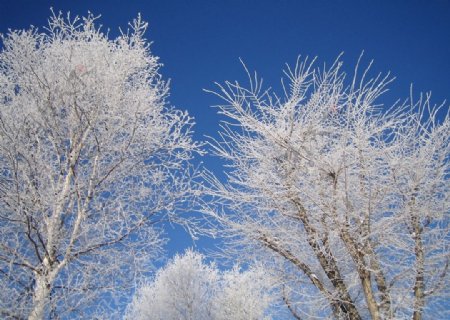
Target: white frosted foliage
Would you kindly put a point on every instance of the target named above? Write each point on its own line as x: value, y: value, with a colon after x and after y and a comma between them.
x: 190, y: 289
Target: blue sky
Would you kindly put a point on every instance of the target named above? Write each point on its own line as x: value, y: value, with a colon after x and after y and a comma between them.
x: 200, y: 42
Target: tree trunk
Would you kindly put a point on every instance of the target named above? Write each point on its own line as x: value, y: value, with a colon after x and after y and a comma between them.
x: 419, y: 285
x: 370, y: 299
x: 40, y: 297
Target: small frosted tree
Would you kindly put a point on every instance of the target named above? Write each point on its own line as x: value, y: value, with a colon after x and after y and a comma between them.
x: 91, y: 159
x: 189, y: 289
x: 245, y: 295
x: 350, y: 198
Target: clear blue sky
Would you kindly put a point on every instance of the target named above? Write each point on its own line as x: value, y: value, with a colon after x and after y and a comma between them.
x: 200, y: 42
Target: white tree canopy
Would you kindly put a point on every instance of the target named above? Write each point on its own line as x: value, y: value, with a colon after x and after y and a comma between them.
x: 91, y: 159
x: 189, y: 289
x: 349, y: 197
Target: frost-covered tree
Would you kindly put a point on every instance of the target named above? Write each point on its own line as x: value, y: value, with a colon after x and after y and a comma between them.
x: 181, y: 290
x: 349, y: 200
x: 91, y: 160
x: 245, y: 295
x: 189, y: 289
